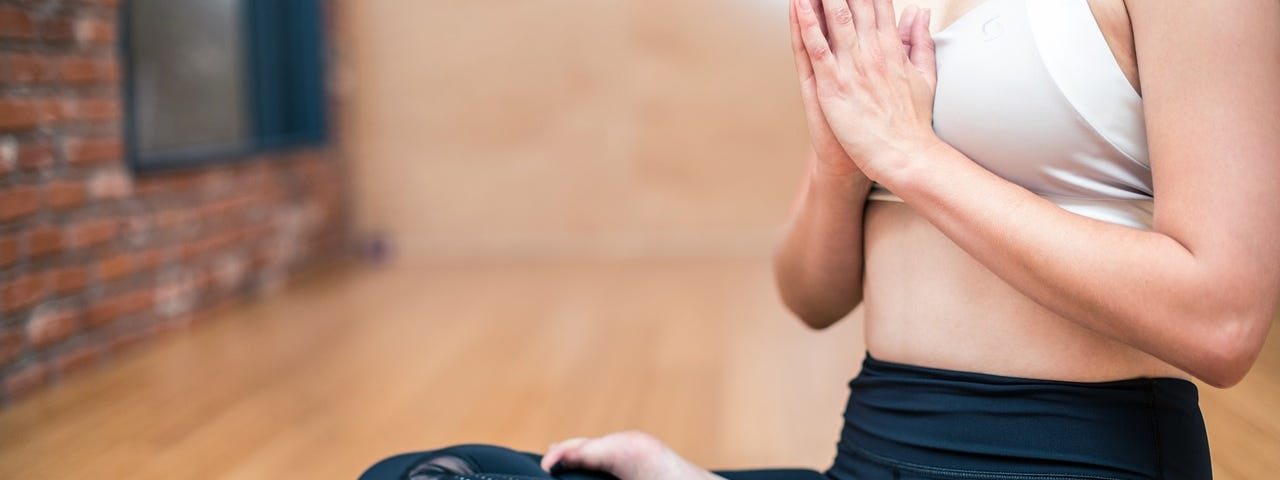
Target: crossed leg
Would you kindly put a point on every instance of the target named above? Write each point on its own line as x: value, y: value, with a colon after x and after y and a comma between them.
x: 488, y: 462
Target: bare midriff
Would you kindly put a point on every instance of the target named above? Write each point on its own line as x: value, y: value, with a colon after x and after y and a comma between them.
x: 927, y: 302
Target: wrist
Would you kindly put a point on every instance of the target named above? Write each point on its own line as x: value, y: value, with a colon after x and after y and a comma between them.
x: 853, y: 182
x: 903, y: 165
x: 826, y: 163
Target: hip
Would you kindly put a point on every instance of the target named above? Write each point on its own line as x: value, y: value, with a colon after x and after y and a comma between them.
x: 909, y: 422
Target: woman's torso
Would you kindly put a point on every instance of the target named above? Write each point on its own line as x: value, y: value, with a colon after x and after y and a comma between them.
x: 929, y: 303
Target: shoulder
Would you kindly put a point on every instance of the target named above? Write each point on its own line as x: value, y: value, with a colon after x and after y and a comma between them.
x: 1189, y: 49
x: 1212, y: 113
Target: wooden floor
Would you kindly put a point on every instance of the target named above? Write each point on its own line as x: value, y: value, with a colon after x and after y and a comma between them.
x: 349, y: 367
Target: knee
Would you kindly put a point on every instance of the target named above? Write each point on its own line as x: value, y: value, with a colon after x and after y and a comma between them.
x: 454, y: 460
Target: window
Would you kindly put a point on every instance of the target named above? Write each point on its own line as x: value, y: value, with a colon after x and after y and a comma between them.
x: 215, y: 80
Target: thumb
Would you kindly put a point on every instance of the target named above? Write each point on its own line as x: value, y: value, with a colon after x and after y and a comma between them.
x: 922, y: 48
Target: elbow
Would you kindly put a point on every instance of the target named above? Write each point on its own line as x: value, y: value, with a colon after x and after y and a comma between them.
x: 817, y: 306
x: 1224, y: 371
x: 1229, y: 352
x: 817, y: 320
x: 818, y: 317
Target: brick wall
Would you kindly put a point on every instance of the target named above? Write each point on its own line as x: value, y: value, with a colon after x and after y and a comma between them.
x: 95, y: 259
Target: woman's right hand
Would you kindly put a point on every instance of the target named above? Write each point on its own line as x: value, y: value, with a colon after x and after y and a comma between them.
x: 831, y: 157
x: 630, y: 455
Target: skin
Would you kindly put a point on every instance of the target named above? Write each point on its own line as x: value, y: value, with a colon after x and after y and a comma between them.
x: 1030, y: 289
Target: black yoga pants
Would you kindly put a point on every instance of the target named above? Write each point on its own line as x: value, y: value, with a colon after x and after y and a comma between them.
x: 906, y: 422
x: 488, y: 462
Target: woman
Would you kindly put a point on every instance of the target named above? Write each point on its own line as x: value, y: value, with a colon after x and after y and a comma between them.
x: 1032, y: 311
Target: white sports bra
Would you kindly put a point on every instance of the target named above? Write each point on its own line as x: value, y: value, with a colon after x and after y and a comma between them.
x: 1031, y: 91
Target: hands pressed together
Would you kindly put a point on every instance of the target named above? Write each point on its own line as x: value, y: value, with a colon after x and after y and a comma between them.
x: 867, y: 84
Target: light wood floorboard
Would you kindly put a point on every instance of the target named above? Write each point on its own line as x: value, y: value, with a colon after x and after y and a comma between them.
x: 349, y: 367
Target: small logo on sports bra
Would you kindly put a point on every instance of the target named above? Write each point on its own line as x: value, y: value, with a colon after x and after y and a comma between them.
x: 992, y: 30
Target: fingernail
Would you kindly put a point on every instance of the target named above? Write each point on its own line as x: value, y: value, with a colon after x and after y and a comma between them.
x: 927, y: 13
x: 804, y: 5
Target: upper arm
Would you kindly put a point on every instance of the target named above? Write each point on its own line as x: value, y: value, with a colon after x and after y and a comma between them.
x: 1212, y: 103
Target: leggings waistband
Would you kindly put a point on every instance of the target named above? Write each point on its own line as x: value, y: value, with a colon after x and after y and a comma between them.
x: 934, y: 418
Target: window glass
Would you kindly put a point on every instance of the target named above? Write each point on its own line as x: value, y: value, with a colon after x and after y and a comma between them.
x: 188, y: 75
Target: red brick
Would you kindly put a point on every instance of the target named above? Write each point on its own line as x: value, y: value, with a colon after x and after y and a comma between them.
x: 25, y: 380
x: 172, y: 219
x: 22, y: 292
x: 52, y: 110
x: 85, y: 71
x: 149, y: 260
x: 49, y: 325
x: 147, y: 188
x: 105, y: 3
x: 78, y: 358
x: 57, y: 30
x: 10, y: 345
x: 8, y: 156
x: 68, y: 280
x: 66, y: 194
x: 43, y: 240
x: 196, y: 248
x: 115, y: 266
x: 18, y: 202
x: 110, y: 309
x: 8, y: 250
x: 96, y: 110
x: 15, y: 24
x: 80, y: 70
x: 89, y: 30
x: 93, y: 232
x: 17, y: 114
x: 25, y: 68
x: 83, y: 151
x: 35, y: 154
x: 111, y: 183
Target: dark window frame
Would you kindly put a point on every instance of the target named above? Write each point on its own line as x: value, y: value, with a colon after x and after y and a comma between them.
x: 287, y: 104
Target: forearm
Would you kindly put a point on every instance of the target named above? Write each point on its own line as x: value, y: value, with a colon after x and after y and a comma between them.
x: 1141, y: 287
x: 818, y: 259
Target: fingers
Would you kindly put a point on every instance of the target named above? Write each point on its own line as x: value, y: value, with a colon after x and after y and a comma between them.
x: 884, y: 16
x: 595, y: 454
x: 817, y: 7
x: 922, y: 48
x: 815, y: 43
x: 840, y: 24
x: 557, y: 451
x: 864, y: 20
x: 887, y: 32
x: 803, y: 67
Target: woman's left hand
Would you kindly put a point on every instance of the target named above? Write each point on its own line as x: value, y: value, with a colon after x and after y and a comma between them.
x: 875, y: 79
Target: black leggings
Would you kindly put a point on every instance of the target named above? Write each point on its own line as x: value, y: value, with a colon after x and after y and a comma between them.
x: 488, y: 462
x: 905, y: 422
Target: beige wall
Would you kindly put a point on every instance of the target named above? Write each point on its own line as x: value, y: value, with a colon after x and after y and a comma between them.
x: 595, y: 127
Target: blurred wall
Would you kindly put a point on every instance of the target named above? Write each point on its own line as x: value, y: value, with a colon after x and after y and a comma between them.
x: 95, y: 259
x: 572, y: 127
